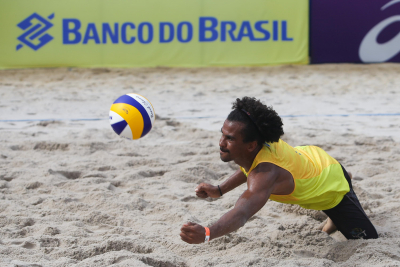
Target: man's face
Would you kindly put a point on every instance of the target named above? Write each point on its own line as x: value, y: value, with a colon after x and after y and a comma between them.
x: 231, y: 142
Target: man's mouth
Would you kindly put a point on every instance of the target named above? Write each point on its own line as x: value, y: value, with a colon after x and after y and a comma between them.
x: 223, y: 150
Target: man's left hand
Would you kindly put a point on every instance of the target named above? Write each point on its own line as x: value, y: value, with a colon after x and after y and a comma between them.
x: 193, y: 233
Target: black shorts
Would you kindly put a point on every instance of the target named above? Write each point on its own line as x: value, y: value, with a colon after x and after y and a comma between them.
x: 350, y: 218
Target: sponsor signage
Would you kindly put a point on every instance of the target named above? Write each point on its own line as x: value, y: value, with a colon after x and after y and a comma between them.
x: 121, y: 33
x: 355, y: 31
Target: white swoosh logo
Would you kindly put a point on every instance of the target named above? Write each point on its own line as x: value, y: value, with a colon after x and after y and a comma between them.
x: 370, y: 50
x: 389, y: 4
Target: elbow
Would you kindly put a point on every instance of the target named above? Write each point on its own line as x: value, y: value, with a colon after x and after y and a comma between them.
x: 242, y: 220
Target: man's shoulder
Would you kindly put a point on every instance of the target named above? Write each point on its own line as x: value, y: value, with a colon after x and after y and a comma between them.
x: 265, y: 168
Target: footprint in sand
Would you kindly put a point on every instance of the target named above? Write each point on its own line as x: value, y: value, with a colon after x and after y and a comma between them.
x: 189, y: 199
x: 50, y: 146
x: 33, y: 185
x: 304, y: 253
x: 152, y: 173
x: 29, y: 245
x: 46, y: 242
x: 72, y: 175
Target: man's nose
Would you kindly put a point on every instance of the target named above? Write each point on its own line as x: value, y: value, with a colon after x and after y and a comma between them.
x: 222, y: 142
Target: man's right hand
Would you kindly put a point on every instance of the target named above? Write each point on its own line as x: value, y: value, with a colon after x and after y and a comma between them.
x: 204, y: 190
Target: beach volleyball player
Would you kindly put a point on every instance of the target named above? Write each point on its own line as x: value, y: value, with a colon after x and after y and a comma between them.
x: 272, y: 169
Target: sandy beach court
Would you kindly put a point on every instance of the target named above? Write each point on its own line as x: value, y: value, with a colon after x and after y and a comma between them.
x: 73, y: 193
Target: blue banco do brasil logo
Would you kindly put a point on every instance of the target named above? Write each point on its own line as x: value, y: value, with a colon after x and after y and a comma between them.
x: 210, y: 29
x: 35, y: 27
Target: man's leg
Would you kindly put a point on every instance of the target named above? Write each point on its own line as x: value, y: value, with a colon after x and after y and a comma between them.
x: 349, y: 217
x: 328, y: 226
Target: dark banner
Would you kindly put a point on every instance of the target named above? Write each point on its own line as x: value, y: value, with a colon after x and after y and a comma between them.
x: 355, y: 31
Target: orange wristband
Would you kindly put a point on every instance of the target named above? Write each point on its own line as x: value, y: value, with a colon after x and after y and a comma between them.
x: 207, y: 234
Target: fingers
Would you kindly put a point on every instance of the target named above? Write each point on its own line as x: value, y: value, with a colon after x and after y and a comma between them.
x: 187, y: 232
x: 187, y: 226
x: 204, y: 190
x: 190, y: 235
x: 200, y: 191
x: 200, y: 188
x: 185, y: 238
x: 189, y: 238
x: 202, y: 194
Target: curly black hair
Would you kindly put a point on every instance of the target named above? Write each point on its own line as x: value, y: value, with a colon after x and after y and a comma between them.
x: 262, y: 123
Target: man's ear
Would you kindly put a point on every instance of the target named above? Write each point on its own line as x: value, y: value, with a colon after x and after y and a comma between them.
x: 252, y: 145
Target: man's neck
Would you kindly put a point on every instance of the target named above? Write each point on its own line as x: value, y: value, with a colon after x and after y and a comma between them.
x: 247, y: 162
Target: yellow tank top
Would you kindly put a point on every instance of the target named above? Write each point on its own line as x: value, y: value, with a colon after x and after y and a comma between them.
x: 319, y: 180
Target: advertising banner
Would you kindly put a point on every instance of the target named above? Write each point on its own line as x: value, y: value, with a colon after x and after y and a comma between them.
x: 148, y: 33
x: 356, y: 31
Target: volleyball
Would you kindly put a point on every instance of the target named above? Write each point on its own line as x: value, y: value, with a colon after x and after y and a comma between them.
x: 132, y: 116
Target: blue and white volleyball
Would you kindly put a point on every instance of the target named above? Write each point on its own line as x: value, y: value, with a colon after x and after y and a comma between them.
x: 132, y: 116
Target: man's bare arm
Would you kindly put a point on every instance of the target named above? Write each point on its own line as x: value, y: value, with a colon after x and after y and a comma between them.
x: 204, y: 190
x: 260, y: 187
x: 250, y: 202
x: 236, y: 179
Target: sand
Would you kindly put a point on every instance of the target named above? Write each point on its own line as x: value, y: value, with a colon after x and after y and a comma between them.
x: 73, y: 193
